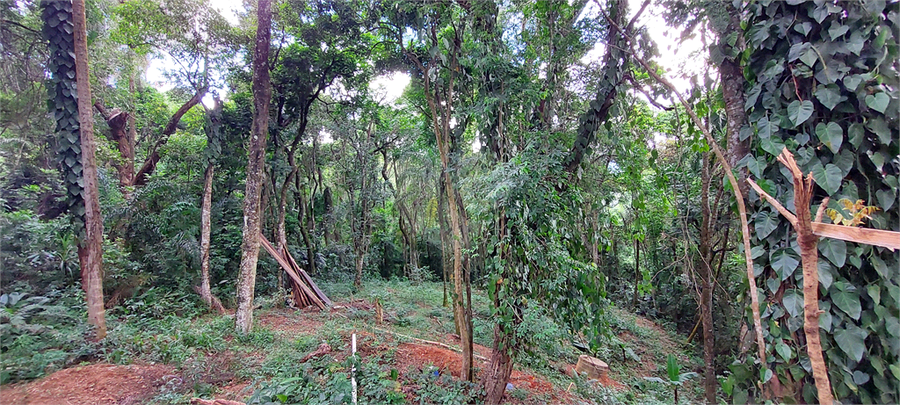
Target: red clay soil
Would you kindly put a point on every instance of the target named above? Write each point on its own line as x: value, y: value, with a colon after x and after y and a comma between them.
x: 96, y: 384
x: 447, y: 361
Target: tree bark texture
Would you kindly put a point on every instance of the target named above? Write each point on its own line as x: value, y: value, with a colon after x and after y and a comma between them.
x: 706, y: 283
x: 90, y: 251
x: 262, y: 94
x: 499, y: 369
x: 205, y: 210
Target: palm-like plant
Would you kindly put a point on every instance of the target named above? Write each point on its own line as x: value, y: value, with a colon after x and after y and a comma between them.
x: 675, y: 377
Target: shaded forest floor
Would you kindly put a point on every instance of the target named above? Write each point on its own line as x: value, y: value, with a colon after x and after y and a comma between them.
x: 305, y: 353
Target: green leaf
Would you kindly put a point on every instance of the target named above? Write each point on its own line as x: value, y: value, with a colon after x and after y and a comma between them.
x: 886, y: 198
x: 800, y: 111
x: 835, y: 250
x: 837, y: 30
x: 783, y: 350
x: 874, y: 293
x: 852, y: 341
x: 860, y: 378
x: 829, y: 96
x: 832, y: 135
x: 847, y: 300
x: 765, y: 223
x: 793, y: 302
x: 756, y: 166
x: 784, y: 262
x: 881, y: 267
x: 826, y: 273
x: 878, y: 102
x: 878, y: 126
x: 828, y: 177
x: 766, y: 128
x: 773, y: 145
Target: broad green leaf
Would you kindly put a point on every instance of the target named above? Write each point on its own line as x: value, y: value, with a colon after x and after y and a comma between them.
x: 784, y: 262
x: 860, y: 378
x: 765, y: 223
x: 773, y: 145
x: 799, y: 112
x: 886, y: 198
x: 756, y: 166
x: 881, y: 129
x: 766, y: 128
x: 793, y: 302
x: 829, y: 96
x: 881, y: 267
x: 874, y: 293
x: 831, y: 134
x: 825, y: 321
x: 828, y: 177
x: 847, y: 301
x: 826, y: 273
x: 837, y: 30
x: 877, y: 159
x: 851, y: 341
x: 852, y: 82
x: 773, y: 283
x: 783, y: 350
x: 835, y: 250
x: 878, y: 102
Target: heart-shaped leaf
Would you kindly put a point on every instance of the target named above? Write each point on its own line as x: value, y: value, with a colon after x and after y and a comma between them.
x: 852, y: 341
x: 829, y: 96
x: 799, y: 111
x: 847, y: 301
x: 878, y: 102
x: 828, y: 177
x: 784, y: 262
x: 831, y: 134
x: 835, y: 250
x: 765, y: 223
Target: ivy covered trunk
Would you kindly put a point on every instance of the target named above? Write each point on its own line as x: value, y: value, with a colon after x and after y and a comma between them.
x: 261, y: 96
x: 825, y: 87
x: 499, y: 368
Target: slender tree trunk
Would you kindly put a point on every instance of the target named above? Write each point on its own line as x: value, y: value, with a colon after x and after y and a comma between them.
x: 637, y: 273
x: 90, y: 251
x: 706, y: 284
x: 205, y: 210
x: 262, y: 94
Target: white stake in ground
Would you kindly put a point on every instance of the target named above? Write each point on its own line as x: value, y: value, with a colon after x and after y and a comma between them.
x: 353, y: 368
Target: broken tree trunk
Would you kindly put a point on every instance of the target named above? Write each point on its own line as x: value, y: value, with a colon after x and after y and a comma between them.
x: 305, y: 290
x: 809, y: 255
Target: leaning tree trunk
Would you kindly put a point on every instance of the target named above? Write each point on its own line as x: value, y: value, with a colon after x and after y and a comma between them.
x: 90, y: 253
x: 262, y: 93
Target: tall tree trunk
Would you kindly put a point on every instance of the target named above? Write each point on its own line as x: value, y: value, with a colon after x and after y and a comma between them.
x: 205, y: 210
x: 445, y: 241
x: 706, y: 283
x: 90, y: 251
x: 262, y: 93
x: 637, y: 273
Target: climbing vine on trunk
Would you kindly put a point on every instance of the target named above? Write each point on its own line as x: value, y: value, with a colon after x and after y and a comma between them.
x: 823, y: 84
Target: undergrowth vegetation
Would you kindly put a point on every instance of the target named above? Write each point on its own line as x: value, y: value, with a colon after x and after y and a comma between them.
x: 272, y: 364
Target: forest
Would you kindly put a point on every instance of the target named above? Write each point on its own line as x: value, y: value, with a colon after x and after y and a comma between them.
x: 449, y: 202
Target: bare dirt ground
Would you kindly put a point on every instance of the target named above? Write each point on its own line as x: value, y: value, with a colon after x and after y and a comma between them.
x: 107, y: 384
x: 100, y: 384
